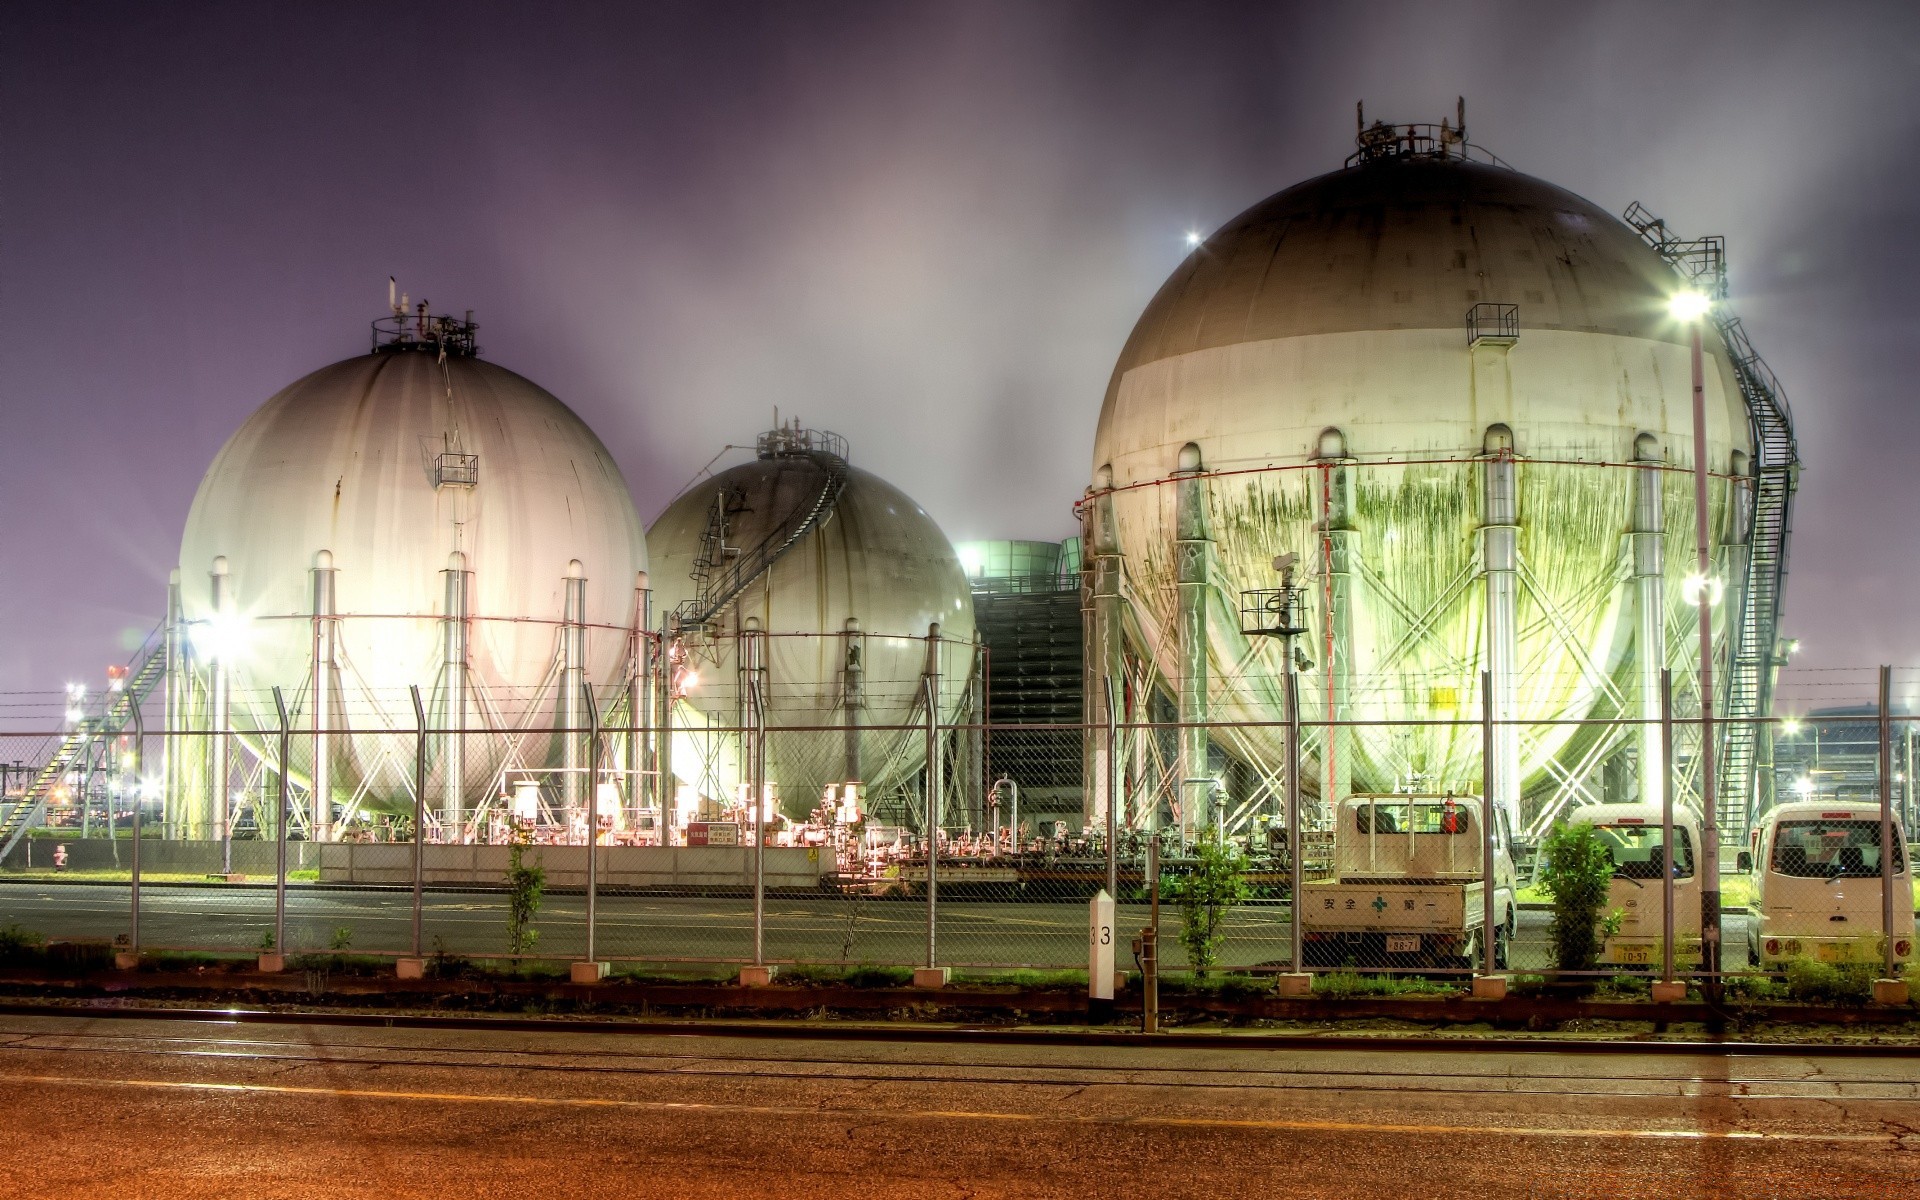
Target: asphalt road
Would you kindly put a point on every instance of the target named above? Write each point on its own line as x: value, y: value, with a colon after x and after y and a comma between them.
x: 473, y: 924
x: 164, y: 1109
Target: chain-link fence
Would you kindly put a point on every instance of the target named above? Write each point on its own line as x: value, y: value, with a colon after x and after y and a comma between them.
x: 932, y: 838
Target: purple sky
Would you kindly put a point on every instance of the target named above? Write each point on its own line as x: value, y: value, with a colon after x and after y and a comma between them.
x: 928, y: 227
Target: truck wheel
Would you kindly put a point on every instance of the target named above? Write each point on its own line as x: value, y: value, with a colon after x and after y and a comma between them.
x: 1502, y: 941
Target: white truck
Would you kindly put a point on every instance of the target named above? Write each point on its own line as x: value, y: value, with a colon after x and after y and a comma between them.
x: 1407, y: 885
x: 1635, y: 839
x: 1816, y: 886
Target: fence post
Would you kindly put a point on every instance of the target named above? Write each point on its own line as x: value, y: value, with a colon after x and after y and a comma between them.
x: 593, y: 824
x: 1887, y: 844
x: 1296, y: 838
x: 933, y: 975
x: 754, y: 651
x: 131, y: 958
x: 280, y: 830
x: 419, y: 807
x: 1666, y: 824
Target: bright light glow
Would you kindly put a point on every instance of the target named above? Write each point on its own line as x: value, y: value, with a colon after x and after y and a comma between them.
x: 1689, y: 305
x: 1789, y: 727
x: 222, y: 637
x: 1694, y: 585
x: 1803, y: 785
x: 689, y: 679
x: 74, y: 715
x: 1194, y: 238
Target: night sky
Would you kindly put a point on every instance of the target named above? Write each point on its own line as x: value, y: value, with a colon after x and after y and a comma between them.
x: 928, y: 227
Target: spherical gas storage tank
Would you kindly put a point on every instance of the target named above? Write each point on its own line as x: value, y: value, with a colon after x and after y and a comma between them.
x: 413, y: 518
x: 1456, y: 392
x: 847, y: 578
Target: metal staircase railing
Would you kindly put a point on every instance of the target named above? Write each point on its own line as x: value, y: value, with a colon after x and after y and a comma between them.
x: 1754, y: 632
x: 115, y: 715
x: 721, y: 574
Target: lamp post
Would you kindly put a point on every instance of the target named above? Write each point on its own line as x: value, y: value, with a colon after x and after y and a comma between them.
x: 1692, y: 307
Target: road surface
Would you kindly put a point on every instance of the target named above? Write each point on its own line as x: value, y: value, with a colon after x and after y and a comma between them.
x: 163, y: 1109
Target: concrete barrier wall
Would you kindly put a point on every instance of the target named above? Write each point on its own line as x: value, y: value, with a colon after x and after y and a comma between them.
x: 253, y: 859
x: 566, y: 866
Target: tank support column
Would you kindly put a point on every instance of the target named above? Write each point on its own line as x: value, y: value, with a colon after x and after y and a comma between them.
x: 639, y: 696
x: 453, y: 761
x: 1194, y: 555
x: 1336, y: 598
x: 573, y: 676
x: 1499, y: 530
x: 326, y: 688
x: 853, y: 695
x: 221, y: 716
x: 1650, y: 609
x: 175, y: 801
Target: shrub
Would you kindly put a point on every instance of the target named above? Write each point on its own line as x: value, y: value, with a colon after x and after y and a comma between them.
x: 18, y: 944
x: 525, y: 886
x: 1206, y: 894
x: 1809, y: 981
x: 1576, y: 871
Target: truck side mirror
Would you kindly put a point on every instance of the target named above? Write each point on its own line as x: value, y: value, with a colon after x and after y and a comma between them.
x: 1743, y: 862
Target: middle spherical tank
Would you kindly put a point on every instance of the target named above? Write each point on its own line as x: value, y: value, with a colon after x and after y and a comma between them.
x: 847, y: 608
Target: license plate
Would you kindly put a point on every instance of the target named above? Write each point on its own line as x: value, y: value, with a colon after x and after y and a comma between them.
x: 1403, y: 943
x: 1634, y: 954
x: 1827, y: 952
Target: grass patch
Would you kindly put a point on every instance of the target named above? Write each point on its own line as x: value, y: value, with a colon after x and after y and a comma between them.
x: 1225, y: 985
x: 1345, y: 984
x: 1028, y: 977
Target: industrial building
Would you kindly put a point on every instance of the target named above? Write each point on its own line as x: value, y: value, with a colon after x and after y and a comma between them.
x: 1450, y: 397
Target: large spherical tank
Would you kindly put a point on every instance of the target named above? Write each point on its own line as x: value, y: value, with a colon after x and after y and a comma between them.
x: 362, y: 466
x: 1312, y: 362
x: 876, y: 560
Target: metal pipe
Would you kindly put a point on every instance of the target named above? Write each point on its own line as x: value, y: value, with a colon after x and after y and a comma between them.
x: 853, y: 701
x: 173, y: 795
x: 419, y: 804
x: 1150, y: 937
x: 1489, y: 936
x: 1666, y: 824
x: 1709, y: 815
x: 1887, y: 844
x: 280, y: 828
x: 593, y: 816
x: 663, y: 679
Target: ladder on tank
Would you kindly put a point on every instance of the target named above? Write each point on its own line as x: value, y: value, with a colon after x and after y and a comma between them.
x: 1753, y: 656
x: 720, y: 572
x: 73, y: 748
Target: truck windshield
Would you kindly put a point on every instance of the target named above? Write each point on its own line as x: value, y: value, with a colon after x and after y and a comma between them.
x: 1830, y: 849
x: 1640, y: 852
x: 1390, y: 816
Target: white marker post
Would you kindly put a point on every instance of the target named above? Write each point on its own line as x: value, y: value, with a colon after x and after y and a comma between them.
x: 1100, y: 946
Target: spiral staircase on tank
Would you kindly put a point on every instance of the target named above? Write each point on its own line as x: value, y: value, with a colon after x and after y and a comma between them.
x: 720, y: 571
x: 1753, y: 657
x: 148, y: 669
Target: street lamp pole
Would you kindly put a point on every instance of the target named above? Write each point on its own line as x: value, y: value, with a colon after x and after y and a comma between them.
x: 1693, y: 307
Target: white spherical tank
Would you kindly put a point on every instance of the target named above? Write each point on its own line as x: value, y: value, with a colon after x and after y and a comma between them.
x: 1458, y: 395
x: 846, y: 607
x: 410, y: 519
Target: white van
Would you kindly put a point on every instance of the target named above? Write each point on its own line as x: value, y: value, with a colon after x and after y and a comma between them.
x: 1636, y: 840
x: 1816, y: 886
